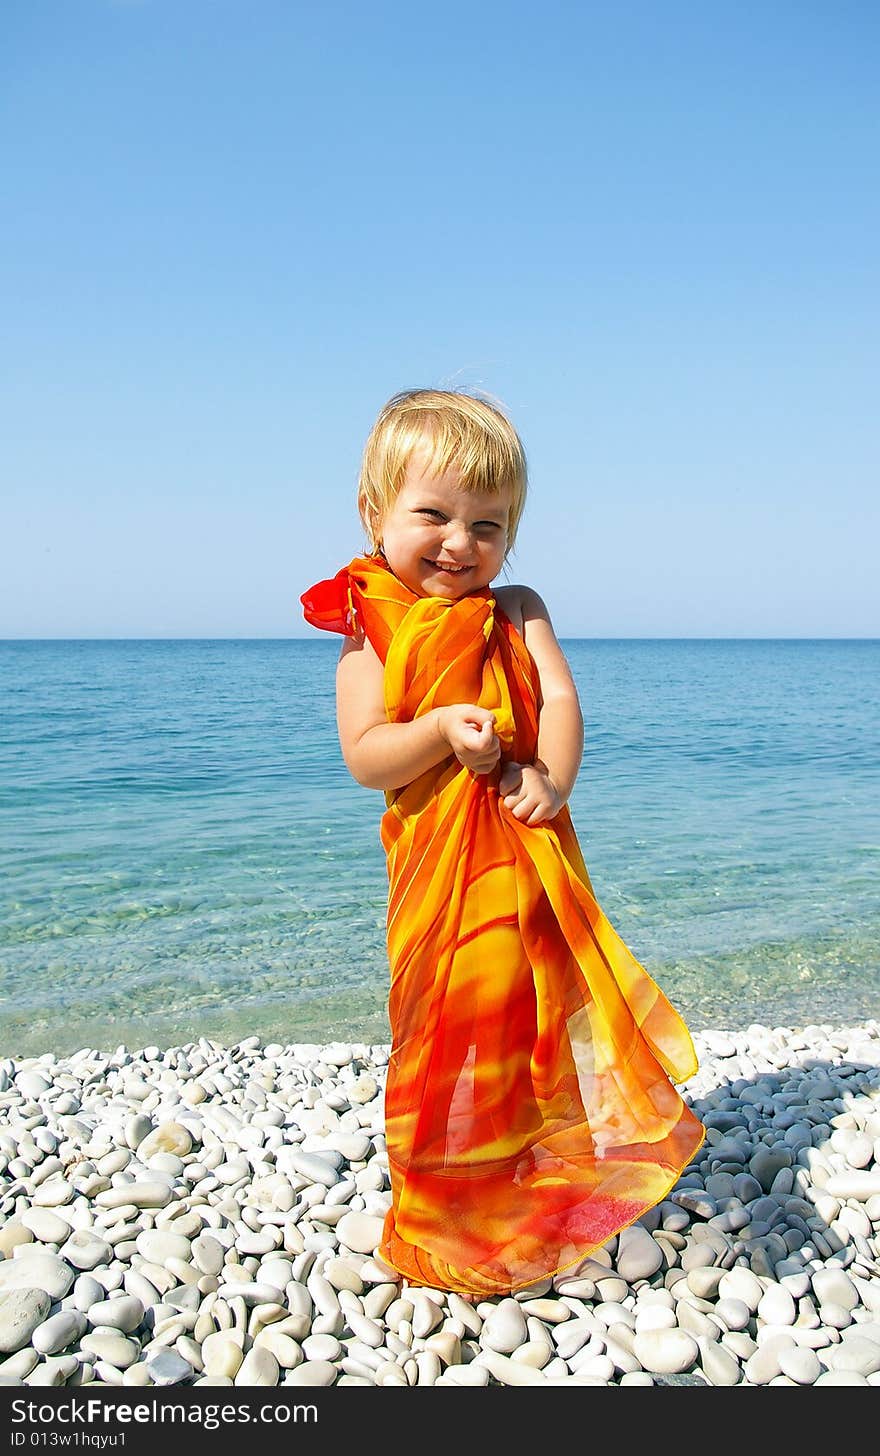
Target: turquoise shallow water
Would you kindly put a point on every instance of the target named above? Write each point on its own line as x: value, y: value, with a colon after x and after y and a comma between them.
x: 183, y: 853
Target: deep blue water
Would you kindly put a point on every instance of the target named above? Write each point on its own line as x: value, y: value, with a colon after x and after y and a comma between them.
x: 183, y: 853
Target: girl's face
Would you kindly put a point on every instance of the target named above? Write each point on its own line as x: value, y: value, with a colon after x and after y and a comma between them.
x: 440, y: 540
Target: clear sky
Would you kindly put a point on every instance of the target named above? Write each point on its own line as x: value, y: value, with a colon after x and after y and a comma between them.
x: 233, y: 228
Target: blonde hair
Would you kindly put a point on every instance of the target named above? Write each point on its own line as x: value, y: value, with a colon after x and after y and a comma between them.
x: 466, y: 431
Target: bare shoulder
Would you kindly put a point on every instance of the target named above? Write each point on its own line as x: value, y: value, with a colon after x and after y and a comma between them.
x: 359, y: 673
x: 509, y: 599
x: 360, y: 702
x: 533, y: 623
x: 522, y: 605
x: 357, y: 656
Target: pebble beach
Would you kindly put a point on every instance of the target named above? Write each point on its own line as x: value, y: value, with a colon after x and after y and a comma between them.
x: 209, y: 1215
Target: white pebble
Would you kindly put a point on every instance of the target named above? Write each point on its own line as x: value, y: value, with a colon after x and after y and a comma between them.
x: 666, y: 1352
x: 360, y: 1232
x: 505, y: 1328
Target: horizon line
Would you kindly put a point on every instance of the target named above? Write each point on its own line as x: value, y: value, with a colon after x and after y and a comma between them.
x: 328, y: 637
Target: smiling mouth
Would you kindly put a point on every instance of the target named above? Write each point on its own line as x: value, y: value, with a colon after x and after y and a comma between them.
x: 447, y: 567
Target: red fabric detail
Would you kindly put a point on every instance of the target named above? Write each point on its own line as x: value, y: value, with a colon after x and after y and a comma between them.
x: 328, y: 604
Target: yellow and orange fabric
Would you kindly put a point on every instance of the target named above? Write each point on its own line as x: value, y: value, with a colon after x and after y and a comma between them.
x: 529, y: 1109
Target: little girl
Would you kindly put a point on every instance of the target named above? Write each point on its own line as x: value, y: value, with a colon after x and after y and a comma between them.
x: 530, y: 1111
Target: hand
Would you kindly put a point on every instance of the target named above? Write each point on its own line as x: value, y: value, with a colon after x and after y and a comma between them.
x: 528, y: 793
x: 470, y: 732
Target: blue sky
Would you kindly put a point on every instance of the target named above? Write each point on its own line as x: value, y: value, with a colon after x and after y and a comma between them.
x: 232, y: 230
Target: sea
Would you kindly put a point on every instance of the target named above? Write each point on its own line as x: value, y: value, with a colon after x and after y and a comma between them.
x: 183, y: 853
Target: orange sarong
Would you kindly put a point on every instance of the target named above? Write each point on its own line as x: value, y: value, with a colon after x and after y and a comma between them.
x: 529, y: 1109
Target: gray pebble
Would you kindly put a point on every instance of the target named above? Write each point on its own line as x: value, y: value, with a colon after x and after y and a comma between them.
x: 169, y: 1368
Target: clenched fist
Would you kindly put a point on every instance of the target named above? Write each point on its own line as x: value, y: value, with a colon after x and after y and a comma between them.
x: 470, y: 732
x: 529, y: 793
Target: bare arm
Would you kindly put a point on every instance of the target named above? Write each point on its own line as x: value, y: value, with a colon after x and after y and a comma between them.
x: 383, y: 755
x: 537, y: 791
x: 560, y: 724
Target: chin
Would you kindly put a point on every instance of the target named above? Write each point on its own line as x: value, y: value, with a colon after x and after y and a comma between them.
x: 451, y: 591
x: 440, y: 587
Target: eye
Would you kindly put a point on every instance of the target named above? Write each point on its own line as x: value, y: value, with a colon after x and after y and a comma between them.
x: 434, y: 515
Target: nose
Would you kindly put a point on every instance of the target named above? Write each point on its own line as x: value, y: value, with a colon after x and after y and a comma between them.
x: 456, y: 536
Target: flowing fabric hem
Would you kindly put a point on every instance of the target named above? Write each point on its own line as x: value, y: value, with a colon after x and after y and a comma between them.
x: 462, y: 1286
